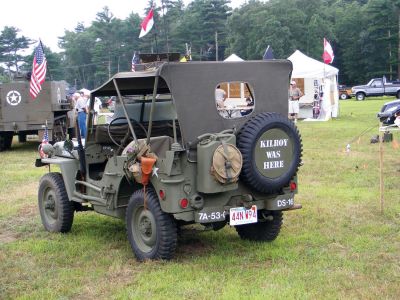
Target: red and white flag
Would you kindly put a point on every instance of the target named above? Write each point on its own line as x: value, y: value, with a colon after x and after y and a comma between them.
x: 39, y: 67
x: 147, y: 24
x: 327, y: 56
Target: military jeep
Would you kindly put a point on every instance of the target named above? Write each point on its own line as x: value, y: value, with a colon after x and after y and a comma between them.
x: 172, y: 157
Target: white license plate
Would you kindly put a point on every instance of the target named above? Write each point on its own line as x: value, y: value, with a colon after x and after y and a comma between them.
x: 242, y: 215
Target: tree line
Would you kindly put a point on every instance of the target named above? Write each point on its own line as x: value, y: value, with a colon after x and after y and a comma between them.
x: 364, y: 35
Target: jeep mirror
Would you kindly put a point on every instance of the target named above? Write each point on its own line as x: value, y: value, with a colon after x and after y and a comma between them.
x: 234, y: 99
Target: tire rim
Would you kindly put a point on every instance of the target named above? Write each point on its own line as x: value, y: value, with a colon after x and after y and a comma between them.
x: 143, y: 227
x: 49, y: 205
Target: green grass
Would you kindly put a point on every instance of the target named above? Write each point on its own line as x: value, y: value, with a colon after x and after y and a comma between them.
x: 339, y: 246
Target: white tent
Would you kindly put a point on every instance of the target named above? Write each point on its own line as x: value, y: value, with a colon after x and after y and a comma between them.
x: 315, y: 76
x: 233, y: 57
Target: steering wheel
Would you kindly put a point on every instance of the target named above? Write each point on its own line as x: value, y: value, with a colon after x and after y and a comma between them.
x: 133, y: 121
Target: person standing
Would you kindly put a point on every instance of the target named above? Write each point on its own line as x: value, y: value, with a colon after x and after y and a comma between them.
x: 96, y: 108
x: 81, y: 109
x: 220, y: 96
x: 72, y: 114
x: 294, y: 95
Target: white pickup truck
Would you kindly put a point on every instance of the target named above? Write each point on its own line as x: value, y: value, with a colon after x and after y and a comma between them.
x: 376, y: 87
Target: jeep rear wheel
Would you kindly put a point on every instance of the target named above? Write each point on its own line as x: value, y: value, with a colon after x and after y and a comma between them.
x: 56, y: 211
x: 271, y: 148
x: 264, y: 230
x: 152, y: 233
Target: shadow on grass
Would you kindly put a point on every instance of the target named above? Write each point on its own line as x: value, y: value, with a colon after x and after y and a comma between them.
x: 89, y: 228
x: 23, y: 147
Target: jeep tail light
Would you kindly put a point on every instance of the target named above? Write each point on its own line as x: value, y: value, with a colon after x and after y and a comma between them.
x: 184, y: 202
x: 293, y: 186
x: 161, y: 193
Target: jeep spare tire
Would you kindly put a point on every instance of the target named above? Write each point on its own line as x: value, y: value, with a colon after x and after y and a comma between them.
x: 271, y: 148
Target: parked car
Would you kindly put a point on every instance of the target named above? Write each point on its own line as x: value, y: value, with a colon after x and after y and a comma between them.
x: 388, y: 112
x: 344, y: 92
x: 376, y: 87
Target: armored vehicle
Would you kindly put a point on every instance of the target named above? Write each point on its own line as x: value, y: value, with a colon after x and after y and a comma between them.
x: 172, y: 156
x: 21, y: 115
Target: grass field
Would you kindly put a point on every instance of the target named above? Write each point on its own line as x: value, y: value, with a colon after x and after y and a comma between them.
x: 339, y: 246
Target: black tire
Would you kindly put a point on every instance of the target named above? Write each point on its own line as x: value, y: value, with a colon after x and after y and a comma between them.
x: 56, y: 211
x: 360, y: 96
x: 398, y: 95
x: 261, y: 173
x: 152, y: 233
x: 263, y: 230
x: 22, y: 137
x: 343, y: 96
x: 5, y: 141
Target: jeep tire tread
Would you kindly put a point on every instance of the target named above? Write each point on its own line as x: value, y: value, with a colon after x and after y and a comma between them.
x: 247, y: 140
x: 152, y: 233
x: 56, y: 211
x: 264, y: 230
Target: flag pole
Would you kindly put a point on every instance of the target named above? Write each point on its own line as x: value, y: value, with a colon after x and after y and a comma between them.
x: 47, y: 69
x: 155, y: 30
x: 165, y: 28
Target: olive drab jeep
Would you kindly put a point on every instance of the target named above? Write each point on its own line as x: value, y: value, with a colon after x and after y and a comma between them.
x: 174, y: 155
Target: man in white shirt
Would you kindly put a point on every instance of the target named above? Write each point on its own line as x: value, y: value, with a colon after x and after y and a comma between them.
x: 81, y: 108
x: 220, y: 96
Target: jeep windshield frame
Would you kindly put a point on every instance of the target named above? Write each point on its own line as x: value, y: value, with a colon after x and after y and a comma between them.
x: 192, y: 87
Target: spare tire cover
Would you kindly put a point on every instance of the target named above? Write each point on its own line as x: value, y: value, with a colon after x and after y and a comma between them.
x: 271, y: 148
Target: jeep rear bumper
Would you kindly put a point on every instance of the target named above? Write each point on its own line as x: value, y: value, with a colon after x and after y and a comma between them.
x: 210, y: 213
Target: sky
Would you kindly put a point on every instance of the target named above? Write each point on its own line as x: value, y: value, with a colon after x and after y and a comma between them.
x: 48, y: 19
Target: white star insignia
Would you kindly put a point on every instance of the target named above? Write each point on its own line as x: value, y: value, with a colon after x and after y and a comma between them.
x: 155, y: 170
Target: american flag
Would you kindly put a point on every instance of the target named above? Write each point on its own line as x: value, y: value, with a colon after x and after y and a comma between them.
x: 135, y: 61
x: 38, y: 71
x: 45, y: 140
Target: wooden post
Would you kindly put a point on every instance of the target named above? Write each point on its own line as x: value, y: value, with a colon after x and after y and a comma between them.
x: 381, y: 185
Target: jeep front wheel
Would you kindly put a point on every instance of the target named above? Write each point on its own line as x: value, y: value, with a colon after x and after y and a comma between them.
x: 264, y: 230
x: 152, y: 233
x: 271, y: 148
x: 56, y: 211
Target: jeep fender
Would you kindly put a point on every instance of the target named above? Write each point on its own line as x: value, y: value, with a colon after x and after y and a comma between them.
x: 68, y: 167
